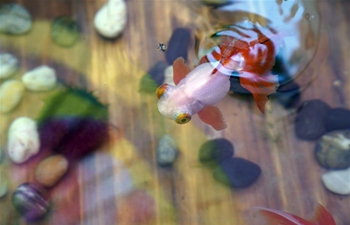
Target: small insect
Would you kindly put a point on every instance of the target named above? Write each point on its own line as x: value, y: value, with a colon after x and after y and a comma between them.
x: 161, y: 47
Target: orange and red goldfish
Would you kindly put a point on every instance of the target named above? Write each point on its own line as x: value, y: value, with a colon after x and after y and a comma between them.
x: 275, y: 217
x: 252, y: 54
x: 197, y: 90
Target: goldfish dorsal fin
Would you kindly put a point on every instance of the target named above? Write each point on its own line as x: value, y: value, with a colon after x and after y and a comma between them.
x: 212, y: 115
x: 259, y: 86
x: 275, y: 217
x: 180, y: 70
x: 323, y: 217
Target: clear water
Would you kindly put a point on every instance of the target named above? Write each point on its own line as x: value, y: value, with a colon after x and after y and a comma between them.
x: 97, y: 189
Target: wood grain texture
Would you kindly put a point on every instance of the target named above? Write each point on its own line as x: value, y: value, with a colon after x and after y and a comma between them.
x: 187, y: 193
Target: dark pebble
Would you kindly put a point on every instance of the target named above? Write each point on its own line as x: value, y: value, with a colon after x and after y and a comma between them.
x: 235, y: 85
x: 237, y: 172
x: 309, y: 121
x: 166, y: 151
x: 74, y: 137
x: 178, y: 45
x: 31, y: 201
x: 333, y: 150
x: 288, y: 95
x: 215, y: 151
x: 157, y: 72
x: 64, y: 31
x: 337, y: 119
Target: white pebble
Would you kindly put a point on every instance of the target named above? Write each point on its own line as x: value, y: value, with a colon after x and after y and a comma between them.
x: 8, y: 65
x: 110, y: 20
x: 337, y: 181
x: 23, y: 139
x: 168, y: 76
x: 11, y: 93
x: 42, y: 78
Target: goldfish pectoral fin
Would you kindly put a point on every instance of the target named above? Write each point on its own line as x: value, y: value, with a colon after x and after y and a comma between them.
x: 323, y: 217
x: 259, y: 86
x: 212, y: 115
x: 275, y: 217
x: 180, y: 70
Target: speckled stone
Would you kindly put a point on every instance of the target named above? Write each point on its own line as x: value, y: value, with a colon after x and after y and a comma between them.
x: 337, y: 119
x: 178, y: 45
x: 215, y: 151
x: 166, y: 151
x: 333, y: 150
x: 65, y: 31
x: 8, y: 65
x: 15, y: 19
x: 237, y: 172
x: 337, y: 181
x: 31, y: 201
x: 309, y: 121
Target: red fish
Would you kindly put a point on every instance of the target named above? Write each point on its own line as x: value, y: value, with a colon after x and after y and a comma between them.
x: 252, y: 54
x: 275, y: 217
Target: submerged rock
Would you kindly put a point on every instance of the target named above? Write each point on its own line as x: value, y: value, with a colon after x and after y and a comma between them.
x: 65, y: 31
x: 11, y: 93
x: 333, y: 150
x: 337, y: 119
x: 110, y: 20
x: 31, y: 201
x: 237, y: 172
x: 166, y: 151
x: 288, y: 95
x: 215, y: 151
x: 42, y: 78
x: 4, y: 185
x: 309, y: 121
x: 15, y: 19
x: 337, y: 181
x: 178, y: 45
x: 51, y: 170
x: 23, y: 139
x: 8, y: 65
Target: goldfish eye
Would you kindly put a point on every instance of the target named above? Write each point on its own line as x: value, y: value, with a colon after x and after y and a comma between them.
x: 161, y: 90
x: 182, y: 118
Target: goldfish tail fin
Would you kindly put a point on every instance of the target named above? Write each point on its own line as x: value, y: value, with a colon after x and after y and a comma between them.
x: 323, y: 217
x: 275, y: 217
x: 259, y: 86
x: 212, y: 115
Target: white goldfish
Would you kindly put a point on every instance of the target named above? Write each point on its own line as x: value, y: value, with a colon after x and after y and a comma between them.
x: 196, y: 91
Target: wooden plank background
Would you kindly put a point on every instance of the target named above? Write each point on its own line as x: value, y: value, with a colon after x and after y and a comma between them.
x: 186, y: 193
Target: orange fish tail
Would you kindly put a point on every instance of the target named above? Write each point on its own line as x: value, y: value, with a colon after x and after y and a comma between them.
x: 323, y: 217
x: 259, y: 86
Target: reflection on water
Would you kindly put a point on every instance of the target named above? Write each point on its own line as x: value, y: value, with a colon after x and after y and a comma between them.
x: 121, y: 183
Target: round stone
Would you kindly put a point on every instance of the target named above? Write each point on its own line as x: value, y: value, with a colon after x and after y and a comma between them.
x: 110, y: 20
x: 215, y: 151
x: 309, y: 121
x: 11, y: 92
x: 23, y: 139
x: 14, y: 19
x: 51, y: 170
x: 237, y: 172
x: 288, y: 95
x: 42, y: 78
x: 333, y: 150
x: 337, y: 181
x: 157, y: 72
x: 166, y: 151
x: 337, y: 119
x: 65, y: 31
x: 8, y: 65
x: 31, y: 201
